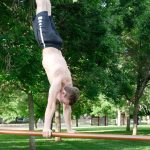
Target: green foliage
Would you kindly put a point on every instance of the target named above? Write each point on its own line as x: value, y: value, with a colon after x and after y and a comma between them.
x: 106, y: 45
x: 102, y: 107
x: 14, y: 106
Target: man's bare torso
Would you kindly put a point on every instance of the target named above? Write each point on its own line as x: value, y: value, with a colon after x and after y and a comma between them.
x: 56, y: 66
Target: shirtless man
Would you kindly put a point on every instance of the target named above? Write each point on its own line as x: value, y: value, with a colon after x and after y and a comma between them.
x: 55, y: 66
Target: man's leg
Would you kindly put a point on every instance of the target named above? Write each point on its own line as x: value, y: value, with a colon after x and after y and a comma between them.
x: 50, y: 15
x: 44, y: 28
x: 41, y: 6
x: 48, y: 5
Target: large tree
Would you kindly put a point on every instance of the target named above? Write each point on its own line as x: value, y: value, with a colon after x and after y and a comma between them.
x: 136, y: 39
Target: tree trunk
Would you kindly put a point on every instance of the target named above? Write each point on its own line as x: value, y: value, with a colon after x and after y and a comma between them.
x: 98, y: 120
x: 135, y: 116
x: 118, y: 117
x: 57, y: 121
x: 148, y: 119
x: 77, y: 124
x: 141, y: 85
x: 127, y: 114
x: 105, y: 120
x: 91, y: 120
x: 123, y: 119
x: 31, y: 121
x: 127, y: 121
x: 36, y: 122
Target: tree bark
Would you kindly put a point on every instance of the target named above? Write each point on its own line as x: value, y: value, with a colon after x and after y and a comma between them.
x: 118, y: 117
x: 141, y: 85
x: 127, y: 114
x: 123, y: 119
x: 148, y: 119
x: 77, y: 124
x: 31, y: 121
x: 35, y: 122
x: 98, y: 119
x: 57, y: 121
x: 128, y: 121
x: 91, y: 120
x: 105, y: 120
x: 135, y: 117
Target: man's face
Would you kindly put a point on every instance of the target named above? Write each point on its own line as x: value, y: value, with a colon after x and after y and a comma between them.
x: 63, y: 98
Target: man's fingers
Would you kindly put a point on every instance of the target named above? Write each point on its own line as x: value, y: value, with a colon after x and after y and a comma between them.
x: 47, y: 134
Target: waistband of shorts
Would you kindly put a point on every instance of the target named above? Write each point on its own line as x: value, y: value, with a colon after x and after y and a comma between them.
x: 42, y: 13
x: 57, y: 46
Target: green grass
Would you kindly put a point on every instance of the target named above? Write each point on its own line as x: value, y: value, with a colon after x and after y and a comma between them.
x: 13, y: 142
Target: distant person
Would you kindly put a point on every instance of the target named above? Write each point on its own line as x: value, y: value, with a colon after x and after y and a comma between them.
x: 55, y: 67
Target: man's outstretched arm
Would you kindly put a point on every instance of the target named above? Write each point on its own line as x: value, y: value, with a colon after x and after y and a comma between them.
x: 51, y: 106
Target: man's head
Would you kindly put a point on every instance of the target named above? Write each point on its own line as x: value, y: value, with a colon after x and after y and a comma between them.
x: 69, y: 95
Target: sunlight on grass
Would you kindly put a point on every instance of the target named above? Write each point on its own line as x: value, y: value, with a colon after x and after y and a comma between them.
x: 13, y: 142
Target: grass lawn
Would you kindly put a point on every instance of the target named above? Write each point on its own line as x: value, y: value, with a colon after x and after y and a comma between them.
x: 13, y: 142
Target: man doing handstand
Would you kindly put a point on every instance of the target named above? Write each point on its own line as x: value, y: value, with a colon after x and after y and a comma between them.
x: 55, y: 66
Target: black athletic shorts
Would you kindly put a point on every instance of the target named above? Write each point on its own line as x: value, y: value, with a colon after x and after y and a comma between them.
x: 45, y: 31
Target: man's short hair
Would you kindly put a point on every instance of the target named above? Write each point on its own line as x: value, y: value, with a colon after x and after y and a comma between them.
x: 72, y: 93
